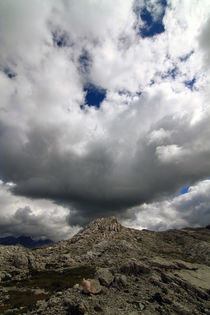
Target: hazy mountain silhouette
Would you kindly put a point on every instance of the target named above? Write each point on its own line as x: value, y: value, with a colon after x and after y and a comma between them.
x: 25, y: 241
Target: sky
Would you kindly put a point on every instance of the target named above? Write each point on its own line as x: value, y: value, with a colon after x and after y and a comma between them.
x: 104, y: 111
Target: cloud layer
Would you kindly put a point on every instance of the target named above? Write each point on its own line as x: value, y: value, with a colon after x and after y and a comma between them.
x: 190, y: 209
x: 38, y: 218
x: 147, y: 139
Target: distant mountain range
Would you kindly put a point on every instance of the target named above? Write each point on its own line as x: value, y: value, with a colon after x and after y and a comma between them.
x: 25, y: 241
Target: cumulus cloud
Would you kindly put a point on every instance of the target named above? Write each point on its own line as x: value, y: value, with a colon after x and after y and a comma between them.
x: 150, y: 135
x: 39, y: 218
x: 189, y: 209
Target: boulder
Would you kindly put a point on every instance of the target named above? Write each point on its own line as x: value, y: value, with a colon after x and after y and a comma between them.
x: 20, y: 260
x: 104, y: 276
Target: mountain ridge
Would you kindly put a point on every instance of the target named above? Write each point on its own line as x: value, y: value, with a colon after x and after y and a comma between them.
x: 125, y: 271
x: 25, y: 241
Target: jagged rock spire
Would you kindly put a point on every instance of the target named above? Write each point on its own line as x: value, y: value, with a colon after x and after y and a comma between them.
x: 105, y: 224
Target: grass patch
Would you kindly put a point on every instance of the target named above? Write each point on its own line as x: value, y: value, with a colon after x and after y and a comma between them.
x: 52, y: 280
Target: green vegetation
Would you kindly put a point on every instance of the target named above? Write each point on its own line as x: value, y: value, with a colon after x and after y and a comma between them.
x: 52, y: 280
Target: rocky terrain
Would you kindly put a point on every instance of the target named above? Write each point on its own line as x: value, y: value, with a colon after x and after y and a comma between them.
x: 109, y: 269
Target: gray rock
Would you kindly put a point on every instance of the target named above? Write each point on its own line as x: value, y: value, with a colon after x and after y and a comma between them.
x: 104, y: 276
x: 120, y: 281
x: 134, y: 268
x: 75, y: 306
x: 141, y: 306
x: 20, y: 261
x: 200, y: 277
x: 54, y: 301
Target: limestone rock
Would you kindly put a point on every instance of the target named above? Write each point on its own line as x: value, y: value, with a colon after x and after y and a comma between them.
x: 104, y: 276
x: 20, y: 260
x: 163, y: 263
x: 199, y: 277
x: 110, y: 224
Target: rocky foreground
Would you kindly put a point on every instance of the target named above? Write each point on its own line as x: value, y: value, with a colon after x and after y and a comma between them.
x: 108, y: 269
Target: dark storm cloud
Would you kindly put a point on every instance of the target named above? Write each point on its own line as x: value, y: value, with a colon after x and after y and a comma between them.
x: 107, y: 179
x: 205, y: 40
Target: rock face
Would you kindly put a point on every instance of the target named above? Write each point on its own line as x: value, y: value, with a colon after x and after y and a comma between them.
x: 109, y: 269
x: 104, y: 225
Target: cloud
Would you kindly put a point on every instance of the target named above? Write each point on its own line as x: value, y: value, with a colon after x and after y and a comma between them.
x: 205, y: 42
x: 189, y: 209
x: 38, y: 218
x: 148, y: 137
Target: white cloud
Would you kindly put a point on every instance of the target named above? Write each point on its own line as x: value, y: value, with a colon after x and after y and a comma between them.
x: 190, y: 209
x: 36, y: 218
x: 157, y: 136
x: 23, y: 32
x: 169, y: 153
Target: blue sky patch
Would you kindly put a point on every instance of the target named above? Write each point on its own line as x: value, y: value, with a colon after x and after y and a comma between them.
x: 184, y: 190
x: 94, y: 95
x: 9, y: 73
x: 60, y: 39
x: 152, y: 26
x: 170, y: 73
x: 190, y: 84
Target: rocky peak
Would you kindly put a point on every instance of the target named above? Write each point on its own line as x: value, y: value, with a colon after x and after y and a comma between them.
x: 110, y: 269
x: 105, y: 224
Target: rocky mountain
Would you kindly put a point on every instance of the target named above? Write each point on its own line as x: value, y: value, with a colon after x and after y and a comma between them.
x: 109, y: 269
x: 25, y: 241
